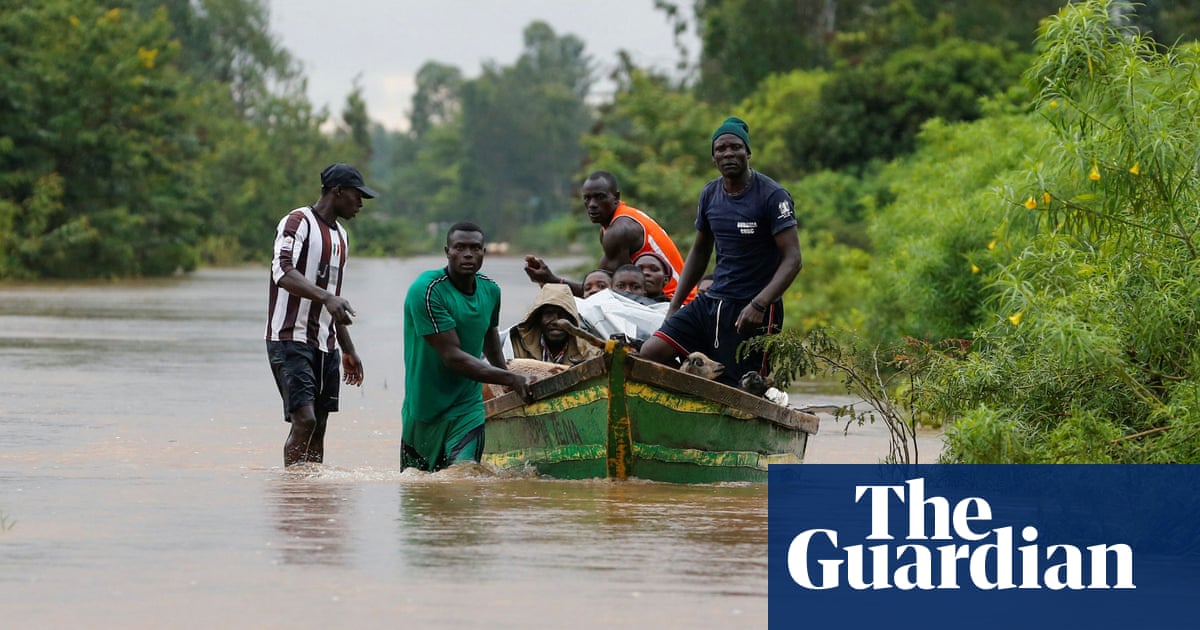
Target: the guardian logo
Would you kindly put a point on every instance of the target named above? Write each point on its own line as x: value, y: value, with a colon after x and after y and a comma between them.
x: 947, y: 547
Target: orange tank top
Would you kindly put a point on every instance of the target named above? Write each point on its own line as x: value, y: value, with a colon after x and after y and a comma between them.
x: 656, y: 240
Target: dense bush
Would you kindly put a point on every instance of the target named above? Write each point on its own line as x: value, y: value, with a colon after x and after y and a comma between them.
x: 1085, y: 348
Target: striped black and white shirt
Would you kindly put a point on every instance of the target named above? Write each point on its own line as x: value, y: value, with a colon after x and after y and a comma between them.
x: 318, y: 250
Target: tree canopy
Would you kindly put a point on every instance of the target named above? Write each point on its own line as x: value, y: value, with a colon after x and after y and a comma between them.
x: 145, y: 138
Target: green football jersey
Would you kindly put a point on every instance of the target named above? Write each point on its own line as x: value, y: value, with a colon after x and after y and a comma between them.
x: 433, y: 304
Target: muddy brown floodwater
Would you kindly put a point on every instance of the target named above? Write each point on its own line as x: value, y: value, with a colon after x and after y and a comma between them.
x: 141, y: 485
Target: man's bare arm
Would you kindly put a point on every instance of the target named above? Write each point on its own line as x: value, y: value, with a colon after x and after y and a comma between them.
x: 493, y: 350
x: 352, y: 368
x: 788, y: 243
x: 620, y: 241
x: 539, y: 272
x: 693, y: 269
x: 449, y: 348
x: 295, y: 283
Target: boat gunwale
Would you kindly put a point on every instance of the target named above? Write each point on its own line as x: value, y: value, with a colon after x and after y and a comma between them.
x: 645, y: 371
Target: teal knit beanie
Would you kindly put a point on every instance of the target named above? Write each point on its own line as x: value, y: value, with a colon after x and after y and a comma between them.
x: 735, y: 126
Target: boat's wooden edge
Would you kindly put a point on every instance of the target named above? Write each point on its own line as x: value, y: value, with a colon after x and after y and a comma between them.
x: 548, y: 387
x: 644, y: 371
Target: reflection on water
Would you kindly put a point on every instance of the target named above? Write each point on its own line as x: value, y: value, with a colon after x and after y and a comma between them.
x: 614, y: 531
x: 312, y: 518
x: 140, y: 445
x: 446, y: 525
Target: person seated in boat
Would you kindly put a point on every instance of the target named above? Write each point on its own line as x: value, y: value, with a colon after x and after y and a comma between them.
x: 534, y: 338
x: 630, y: 282
x: 656, y: 272
x: 610, y: 313
x: 625, y: 233
x: 596, y: 281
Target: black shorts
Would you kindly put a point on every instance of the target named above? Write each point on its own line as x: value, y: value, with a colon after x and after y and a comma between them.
x: 706, y: 325
x: 305, y: 376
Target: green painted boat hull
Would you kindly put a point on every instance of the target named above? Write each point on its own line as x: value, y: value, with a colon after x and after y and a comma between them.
x: 619, y: 416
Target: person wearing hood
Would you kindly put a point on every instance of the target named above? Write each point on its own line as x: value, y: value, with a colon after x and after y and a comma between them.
x: 534, y: 338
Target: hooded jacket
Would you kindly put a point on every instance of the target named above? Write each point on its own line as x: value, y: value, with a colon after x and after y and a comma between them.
x: 526, y: 336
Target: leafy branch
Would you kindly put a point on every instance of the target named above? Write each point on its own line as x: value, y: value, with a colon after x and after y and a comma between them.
x: 888, y: 386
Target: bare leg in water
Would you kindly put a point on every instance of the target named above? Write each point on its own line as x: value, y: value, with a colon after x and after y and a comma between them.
x: 306, y: 441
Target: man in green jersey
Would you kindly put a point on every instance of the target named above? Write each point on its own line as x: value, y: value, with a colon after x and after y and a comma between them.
x: 451, y: 346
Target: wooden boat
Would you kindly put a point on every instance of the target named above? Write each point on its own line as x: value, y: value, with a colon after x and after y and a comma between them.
x: 619, y: 416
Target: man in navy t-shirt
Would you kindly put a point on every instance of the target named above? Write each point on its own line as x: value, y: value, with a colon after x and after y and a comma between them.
x: 749, y: 219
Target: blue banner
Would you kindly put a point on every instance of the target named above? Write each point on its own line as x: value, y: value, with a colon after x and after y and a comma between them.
x: 939, y: 546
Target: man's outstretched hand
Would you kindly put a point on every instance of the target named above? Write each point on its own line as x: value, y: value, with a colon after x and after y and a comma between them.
x: 538, y: 271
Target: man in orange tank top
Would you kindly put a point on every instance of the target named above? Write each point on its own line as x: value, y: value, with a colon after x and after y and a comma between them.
x: 625, y: 234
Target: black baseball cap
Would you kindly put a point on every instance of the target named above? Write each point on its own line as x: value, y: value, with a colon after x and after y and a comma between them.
x: 346, y: 176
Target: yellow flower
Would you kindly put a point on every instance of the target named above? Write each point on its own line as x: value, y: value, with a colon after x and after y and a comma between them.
x: 1136, y: 169
x: 73, y: 20
x: 1046, y: 198
x: 974, y: 268
x: 992, y: 245
x: 112, y: 15
x: 1015, y: 318
x: 1095, y: 174
x: 1031, y: 203
x: 1054, y: 103
x: 147, y: 56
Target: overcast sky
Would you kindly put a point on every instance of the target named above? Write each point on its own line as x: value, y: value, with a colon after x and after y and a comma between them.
x: 387, y: 41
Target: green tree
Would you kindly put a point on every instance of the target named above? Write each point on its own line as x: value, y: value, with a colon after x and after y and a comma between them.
x: 121, y: 155
x: 995, y: 23
x: 421, y: 169
x: 522, y: 127
x: 942, y: 235
x: 745, y: 41
x: 784, y: 109
x: 1085, y: 352
x: 438, y: 98
x: 357, y: 130
x: 656, y: 140
x: 419, y: 185
x: 229, y: 42
x: 89, y: 190
x: 873, y: 111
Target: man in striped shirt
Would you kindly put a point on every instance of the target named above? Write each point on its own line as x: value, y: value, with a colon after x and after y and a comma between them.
x: 307, y: 316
